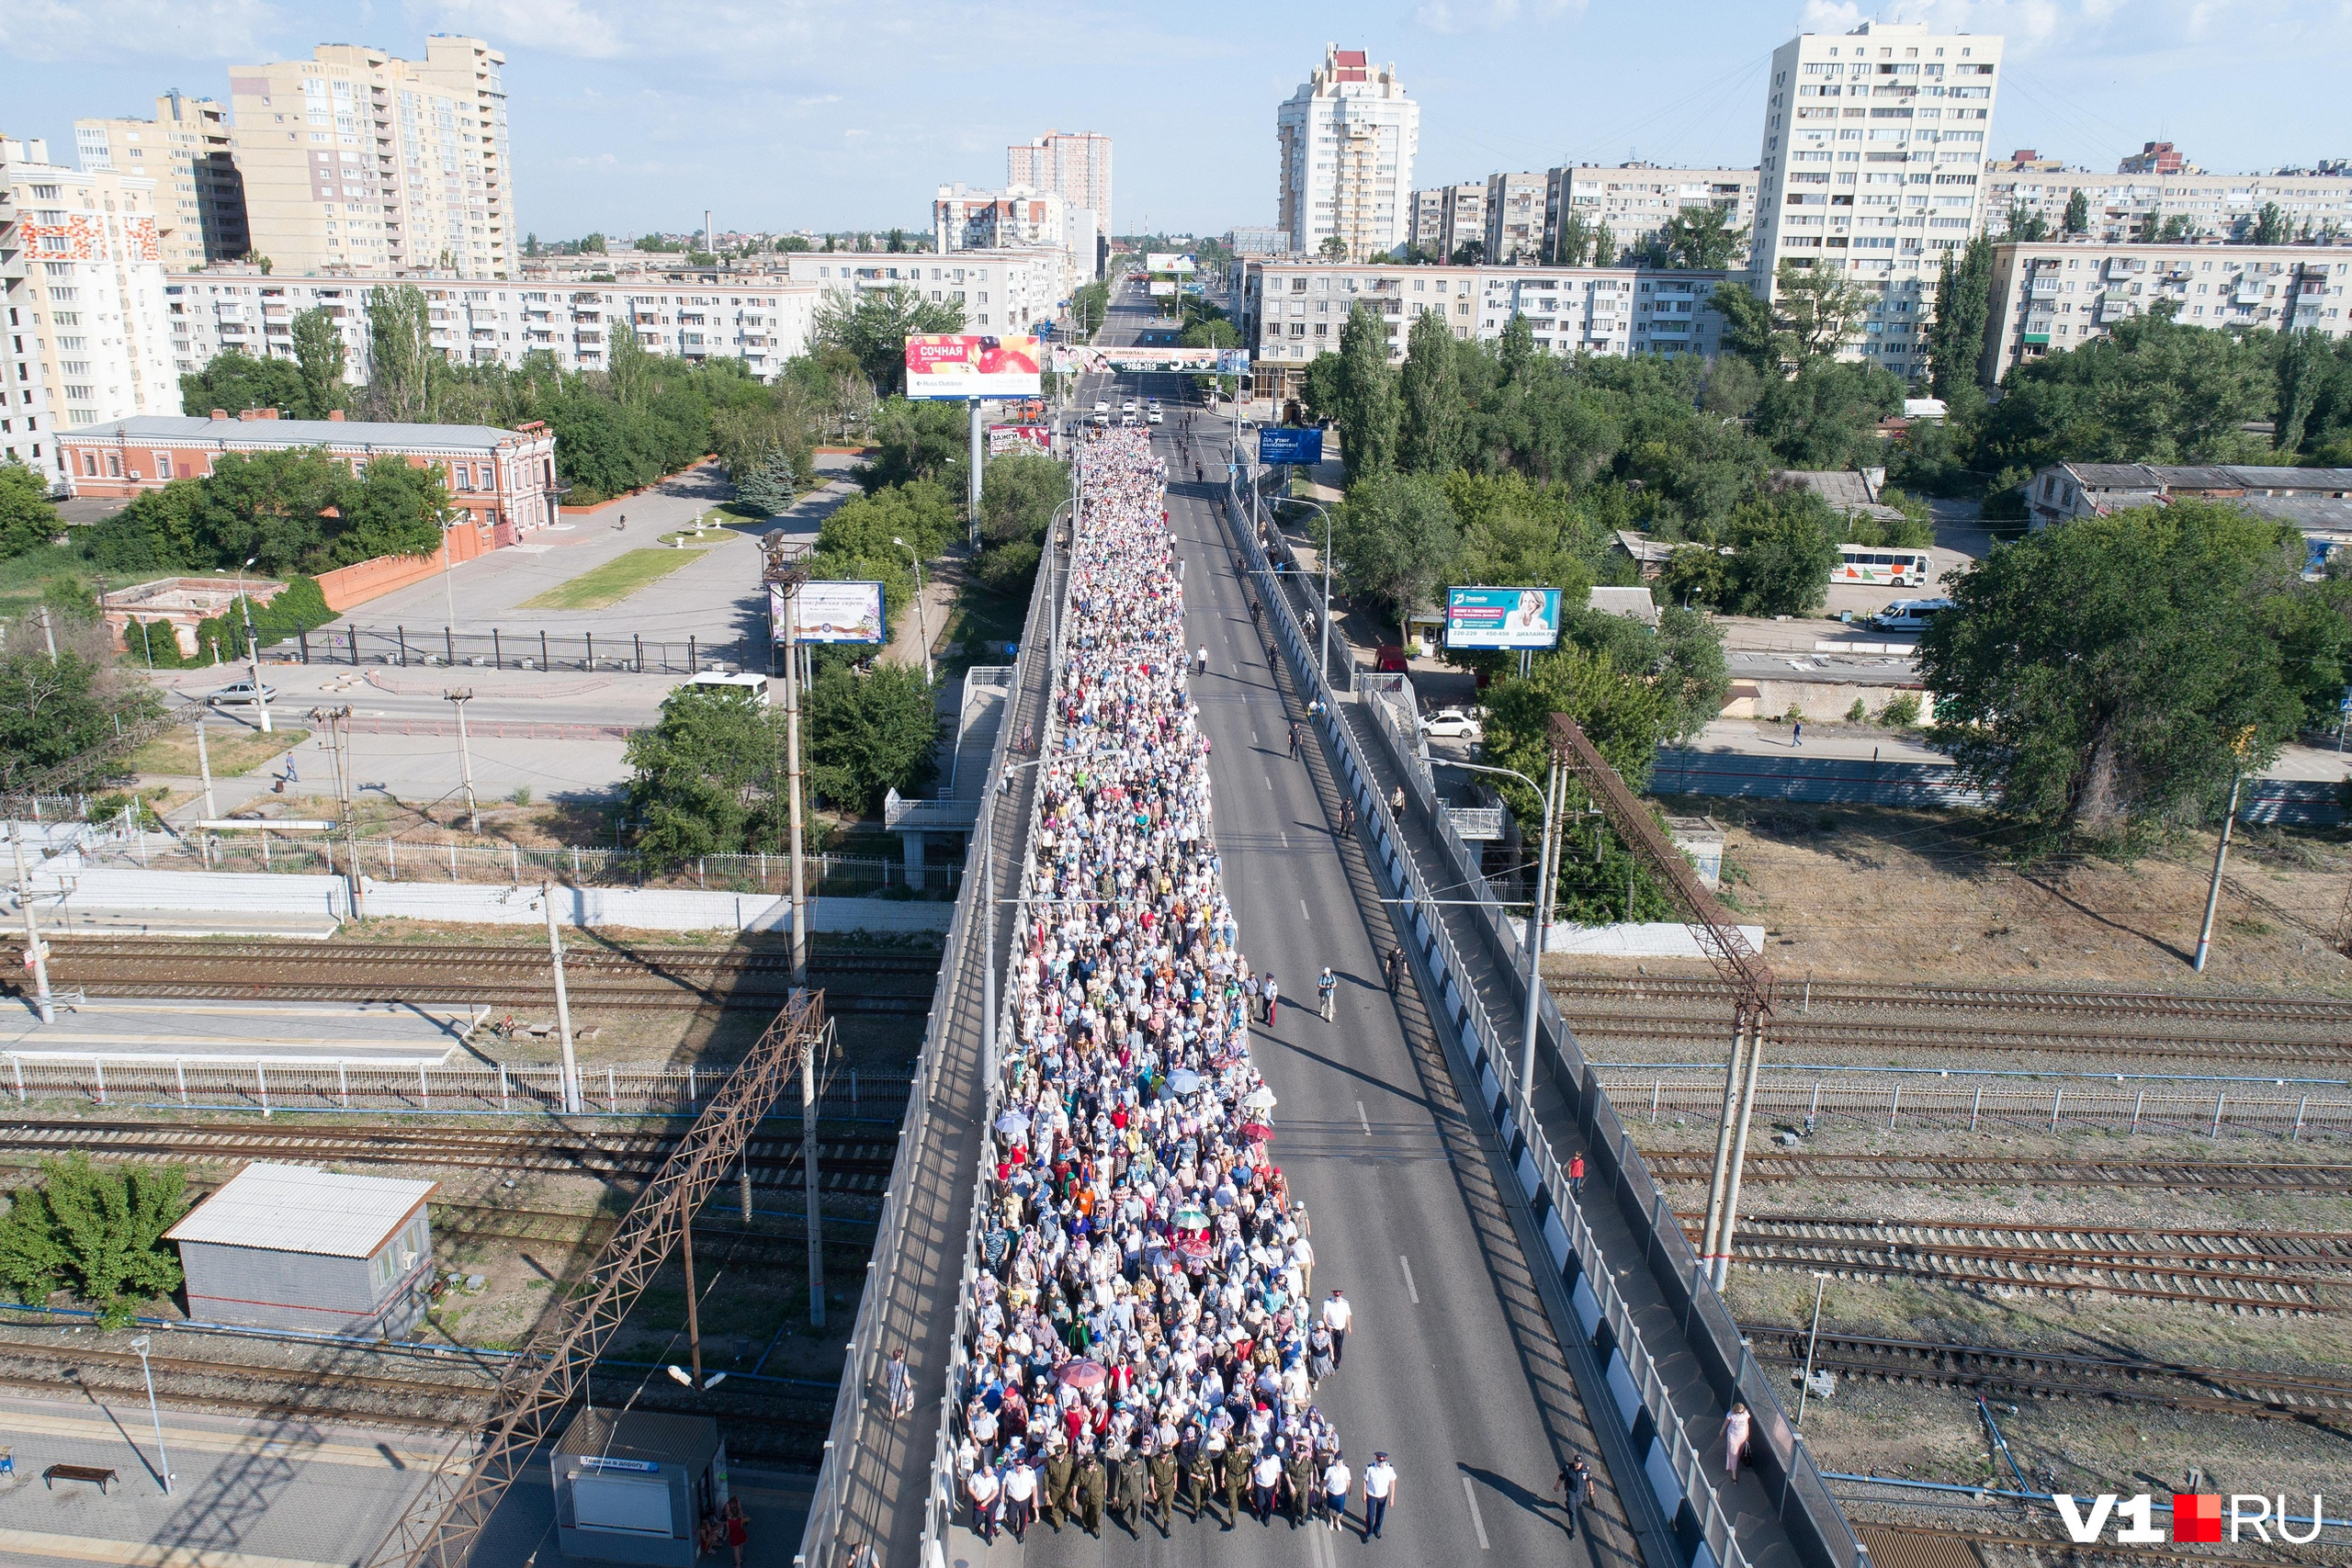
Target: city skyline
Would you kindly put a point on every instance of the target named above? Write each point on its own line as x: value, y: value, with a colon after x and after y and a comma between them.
x: 637, y: 118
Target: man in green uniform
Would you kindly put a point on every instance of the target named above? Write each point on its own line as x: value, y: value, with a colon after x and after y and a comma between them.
x: 1163, y: 1489
x: 1300, y: 1476
x: 1129, y: 1487
x: 1093, y: 1485
x: 1237, y: 1482
x: 1061, y: 1472
x: 1200, y: 1474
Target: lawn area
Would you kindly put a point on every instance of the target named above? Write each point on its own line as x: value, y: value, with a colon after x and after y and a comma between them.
x: 231, y: 749
x: 25, y: 579
x: 614, y: 580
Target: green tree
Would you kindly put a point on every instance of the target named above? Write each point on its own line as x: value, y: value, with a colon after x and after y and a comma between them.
x: 1575, y: 241
x: 2270, y: 226
x: 396, y: 508
x: 1748, y: 331
x: 2078, y: 213
x: 401, y: 354
x: 2178, y: 229
x: 1703, y: 238
x: 1816, y: 312
x: 2152, y: 390
x: 870, y: 733
x: 1323, y: 387
x: 1334, y: 247
x: 1604, y: 245
x: 919, y: 438
x: 2024, y: 223
x: 1470, y: 252
x: 318, y: 355
x: 1429, y: 437
x: 874, y: 326
x: 96, y: 1230
x: 2099, y: 679
x: 1963, y: 308
x: 1367, y: 410
x: 702, y: 779
x: 1825, y: 416
x: 1019, y: 495
x: 768, y: 481
x: 2306, y: 366
x: 1396, y: 536
x: 1784, y: 545
x: 234, y: 381
x: 28, y: 517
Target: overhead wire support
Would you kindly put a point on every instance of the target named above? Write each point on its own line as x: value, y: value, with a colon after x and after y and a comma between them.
x: 446, y: 1521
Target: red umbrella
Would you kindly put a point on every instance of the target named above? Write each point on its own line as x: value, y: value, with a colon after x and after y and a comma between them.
x: 1082, y: 1374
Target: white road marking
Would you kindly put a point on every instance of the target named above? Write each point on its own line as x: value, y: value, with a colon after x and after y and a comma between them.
x: 1476, y: 1523
x: 1363, y: 1118
x: 1302, y: 909
x: 1415, y: 1292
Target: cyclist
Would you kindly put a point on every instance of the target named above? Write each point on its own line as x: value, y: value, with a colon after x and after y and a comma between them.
x: 1326, y: 992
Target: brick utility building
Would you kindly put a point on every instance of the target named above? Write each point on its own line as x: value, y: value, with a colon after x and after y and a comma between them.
x: 288, y: 1247
x: 503, y: 480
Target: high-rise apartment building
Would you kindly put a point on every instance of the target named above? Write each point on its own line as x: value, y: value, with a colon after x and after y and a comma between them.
x: 1514, y: 232
x: 81, y: 289
x: 1445, y: 217
x: 186, y: 150
x: 2150, y: 205
x: 1348, y: 138
x: 1873, y: 166
x: 1073, y: 164
x: 1635, y: 201
x: 355, y: 161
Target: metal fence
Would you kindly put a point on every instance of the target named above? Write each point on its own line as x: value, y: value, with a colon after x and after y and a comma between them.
x: 2208, y: 1113
x: 528, y: 648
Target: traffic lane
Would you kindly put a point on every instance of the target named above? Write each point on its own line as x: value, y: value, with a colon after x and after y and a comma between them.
x: 528, y: 696
x: 1438, y: 1381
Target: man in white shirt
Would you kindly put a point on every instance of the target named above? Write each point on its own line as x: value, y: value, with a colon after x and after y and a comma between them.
x: 1020, y: 1498
x: 1337, y: 1313
x: 1379, y: 1489
x: 1337, y: 1479
x: 1265, y: 1478
x: 984, y: 1487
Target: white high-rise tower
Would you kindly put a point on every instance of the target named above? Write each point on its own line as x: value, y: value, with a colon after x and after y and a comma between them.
x: 1348, y: 138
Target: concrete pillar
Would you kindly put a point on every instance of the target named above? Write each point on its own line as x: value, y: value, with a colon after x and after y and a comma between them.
x: 914, y: 842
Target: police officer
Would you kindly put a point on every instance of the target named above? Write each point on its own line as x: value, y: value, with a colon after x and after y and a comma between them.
x: 1093, y: 1485
x: 1129, y: 1485
x: 1163, y: 1488
x: 1061, y: 1469
x: 1236, y: 1483
x: 1301, y: 1480
x: 1198, y: 1470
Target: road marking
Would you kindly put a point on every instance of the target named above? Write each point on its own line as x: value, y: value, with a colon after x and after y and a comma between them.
x: 1285, y: 838
x: 1302, y: 909
x: 1415, y: 1292
x: 1270, y: 781
x: 1476, y: 1523
x: 1363, y: 1118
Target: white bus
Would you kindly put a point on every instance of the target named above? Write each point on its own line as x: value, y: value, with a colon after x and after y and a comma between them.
x: 1889, y: 564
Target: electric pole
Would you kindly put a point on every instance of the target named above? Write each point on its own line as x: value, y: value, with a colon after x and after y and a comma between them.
x: 562, y: 1004
x: 457, y: 698
x: 36, y: 953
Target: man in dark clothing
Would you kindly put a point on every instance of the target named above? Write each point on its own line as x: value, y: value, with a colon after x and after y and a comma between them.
x: 1575, y: 1488
x: 1061, y: 1470
x: 1094, y: 1486
x: 1162, y: 1496
x: 1236, y: 1483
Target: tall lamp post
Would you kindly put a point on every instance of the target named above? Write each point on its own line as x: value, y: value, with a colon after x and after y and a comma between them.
x: 923, y: 621
x: 162, y: 1460
x: 1539, y: 914
x: 253, y: 648
x: 1323, y: 657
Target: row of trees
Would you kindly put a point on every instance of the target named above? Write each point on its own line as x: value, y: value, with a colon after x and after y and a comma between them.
x: 2271, y: 225
x: 1701, y: 237
x: 299, y: 510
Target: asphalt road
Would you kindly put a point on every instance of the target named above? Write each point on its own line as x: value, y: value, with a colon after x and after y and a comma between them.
x: 1451, y: 1369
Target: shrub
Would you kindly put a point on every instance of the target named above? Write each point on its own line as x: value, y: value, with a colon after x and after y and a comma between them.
x: 1901, y: 713
x: 1858, y: 713
x: 97, y: 1231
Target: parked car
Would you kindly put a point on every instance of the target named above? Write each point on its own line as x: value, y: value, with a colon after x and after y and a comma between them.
x: 1453, y: 723
x: 241, y: 693
x: 1909, y: 615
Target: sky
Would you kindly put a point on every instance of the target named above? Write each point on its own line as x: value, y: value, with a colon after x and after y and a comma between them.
x: 631, y: 115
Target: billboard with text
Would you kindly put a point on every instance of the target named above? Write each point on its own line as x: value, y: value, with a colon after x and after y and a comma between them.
x: 830, y: 612
x: 1167, y: 261
x: 1289, y: 444
x: 1080, y: 357
x: 1502, y: 617
x: 1004, y: 438
x: 958, y: 365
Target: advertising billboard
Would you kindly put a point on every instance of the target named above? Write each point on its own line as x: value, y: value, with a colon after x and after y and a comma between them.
x: 958, y: 365
x: 1502, y: 617
x: 1289, y: 444
x: 1071, y: 358
x: 1003, y: 438
x: 1167, y: 261
x: 830, y: 612
x: 1162, y: 290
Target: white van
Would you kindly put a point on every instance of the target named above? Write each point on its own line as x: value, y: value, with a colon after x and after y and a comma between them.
x: 1909, y: 615
x: 754, y: 687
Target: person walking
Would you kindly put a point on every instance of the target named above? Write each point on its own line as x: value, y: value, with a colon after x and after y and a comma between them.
x: 1379, y: 1491
x: 1327, y: 992
x: 1293, y: 741
x: 1395, y: 965
x: 1061, y: 1475
x: 985, y: 1489
x: 1093, y: 1487
x: 1300, y: 1479
x: 1338, y: 1313
x: 1735, y: 1439
x: 901, y: 1385
x: 1199, y: 1479
x: 739, y: 1529
x: 1273, y: 1001
x: 1348, y: 815
x: 1336, y: 1480
x: 1020, y: 1498
x: 1576, y: 1175
x: 1251, y: 988
x: 1575, y: 1487
x: 1201, y: 661
x: 1796, y: 734
x: 1127, y: 1494
x: 1162, y: 1497
x: 1237, y: 1482
x: 1265, y: 1481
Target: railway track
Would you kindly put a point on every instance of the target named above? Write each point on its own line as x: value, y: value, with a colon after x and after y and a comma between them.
x: 2003, y: 999
x: 2026, y: 1374
x: 1996, y: 1170
x: 2241, y: 1269
x: 844, y: 1164
x: 1791, y: 1033
x: 887, y: 983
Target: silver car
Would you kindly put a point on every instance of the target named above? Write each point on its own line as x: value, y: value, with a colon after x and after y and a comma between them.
x: 241, y: 693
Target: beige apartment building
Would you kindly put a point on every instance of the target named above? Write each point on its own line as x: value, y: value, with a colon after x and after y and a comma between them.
x: 1073, y: 164
x: 2052, y: 296
x: 1635, y: 201
x: 1347, y: 139
x: 82, y: 291
x: 1514, y: 232
x: 186, y: 150
x: 357, y: 163
x: 2131, y: 205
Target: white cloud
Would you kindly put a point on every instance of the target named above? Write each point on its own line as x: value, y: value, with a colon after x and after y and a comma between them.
x: 104, y: 30
x: 1487, y: 16
x: 2116, y: 31
x: 563, y: 26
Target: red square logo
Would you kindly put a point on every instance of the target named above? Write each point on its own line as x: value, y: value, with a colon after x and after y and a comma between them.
x: 2195, y: 1518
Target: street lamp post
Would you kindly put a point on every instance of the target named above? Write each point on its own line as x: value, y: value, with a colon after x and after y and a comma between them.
x: 1323, y: 655
x: 253, y: 648
x: 163, y: 1459
x: 458, y: 697
x: 571, y: 1101
x: 923, y: 621
x: 1539, y: 916
x: 35, y: 951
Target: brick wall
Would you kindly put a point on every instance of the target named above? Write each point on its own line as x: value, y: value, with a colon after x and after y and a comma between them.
x: 348, y: 585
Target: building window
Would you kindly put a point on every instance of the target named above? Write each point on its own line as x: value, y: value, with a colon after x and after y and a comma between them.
x: 162, y: 465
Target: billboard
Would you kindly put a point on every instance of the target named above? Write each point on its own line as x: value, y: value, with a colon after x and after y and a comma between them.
x: 1167, y: 261
x: 1163, y: 290
x: 1003, y: 438
x: 1289, y: 444
x: 1502, y: 617
x: 958, y: 365
x: 1070, y: 359
x: 830, y: 612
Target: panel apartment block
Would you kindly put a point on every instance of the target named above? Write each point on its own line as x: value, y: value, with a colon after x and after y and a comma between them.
x: 2132, y: 206
x: 1073, y: 164
x: 357, y: 161
x: 1347, y: 139
x: 188, y: 152
x: 1873, y: 166
x: 1635, y: 201
x: 999, y: 290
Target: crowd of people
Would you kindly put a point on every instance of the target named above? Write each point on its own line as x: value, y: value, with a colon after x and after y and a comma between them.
x: 1141, y: 1329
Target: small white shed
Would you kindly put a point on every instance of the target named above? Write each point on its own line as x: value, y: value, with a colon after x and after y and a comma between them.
x: 289, y: 1246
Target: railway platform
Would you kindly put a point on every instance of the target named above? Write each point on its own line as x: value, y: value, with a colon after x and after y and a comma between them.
x: 218, y: 1034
